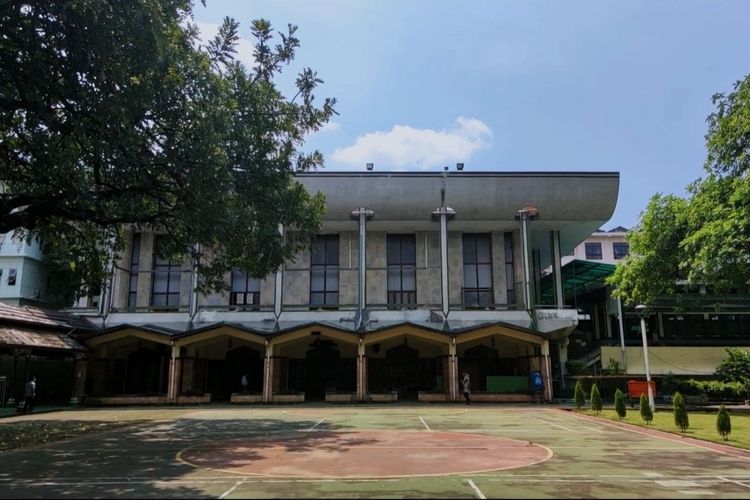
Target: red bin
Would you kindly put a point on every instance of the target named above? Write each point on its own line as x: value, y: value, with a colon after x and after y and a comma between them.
x: 638, y: 387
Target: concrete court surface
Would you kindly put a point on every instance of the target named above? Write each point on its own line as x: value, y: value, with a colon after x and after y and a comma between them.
x: 315, y: 451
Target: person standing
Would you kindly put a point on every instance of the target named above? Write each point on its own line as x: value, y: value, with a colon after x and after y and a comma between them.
x: 466, y: 383
x: 29, y: 395
x: 244, y: 383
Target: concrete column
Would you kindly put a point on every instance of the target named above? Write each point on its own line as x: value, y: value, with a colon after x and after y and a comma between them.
x: 547, y: 371
x: 268, y: 374
x: 193, y: 304
x: 525, y: 215
x: 175, y: 372
x: 622, y: 333
x: 105, y: 296
x: 361, y: 214
x: 556, y: 256
x: 79, y: 378
x: 562, y: 347
x: 443, y: 214
x: 361, y: 371
x: 277, y: 291
x: 453, y: 381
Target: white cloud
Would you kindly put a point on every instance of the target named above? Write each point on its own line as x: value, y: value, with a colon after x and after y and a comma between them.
x: 330, y: 127
x: 244, y: 47
x: 405, y: 146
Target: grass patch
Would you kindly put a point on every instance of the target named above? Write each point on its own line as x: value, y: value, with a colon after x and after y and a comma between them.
x: 15, y: 435
x: 702, y: 425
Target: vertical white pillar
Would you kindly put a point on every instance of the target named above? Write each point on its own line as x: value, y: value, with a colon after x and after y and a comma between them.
x: 443, y: 214
x: 524, y: 215
x: 453, y: 382
x: 193, y: 306
x: 361, y: 215
x: 557, y: 268
x: 361, y: 371
x: 278, y: 282
x: 268, y: 374
x: 547, y: 367
x: 174, y: 375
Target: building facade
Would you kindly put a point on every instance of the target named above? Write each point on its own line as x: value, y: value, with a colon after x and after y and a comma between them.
x: 450, y: 283
x: 23, y: 277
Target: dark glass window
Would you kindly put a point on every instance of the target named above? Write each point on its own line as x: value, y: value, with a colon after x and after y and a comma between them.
x: 165, y: 290
x: 245, y: 290
x: 11, y: 277
x: 402, y: 269
x: 509, y: 280
x: 324, y: 270
x: 135, y: 260
x: 477, y: 290
x: 594, y: 251
x: 620, y: 250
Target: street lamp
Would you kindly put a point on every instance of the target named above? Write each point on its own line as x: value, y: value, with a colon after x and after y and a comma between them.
x: 642, y: 312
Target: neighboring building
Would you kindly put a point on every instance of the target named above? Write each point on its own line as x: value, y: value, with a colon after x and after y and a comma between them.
x: 23, y: 277
x: 39, y: 342
x: 451, y: 284
x: 687, y: 333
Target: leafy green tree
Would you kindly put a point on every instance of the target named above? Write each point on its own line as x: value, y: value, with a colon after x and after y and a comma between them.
x: 579, y: 396
x: 736, y: 368
x: 681, y: 419
x: 646, y: 414
x: 620, y: 406
x: 113, y: 116
x: 596, y: 399
x: 723, y: 423
x: 704, y: 237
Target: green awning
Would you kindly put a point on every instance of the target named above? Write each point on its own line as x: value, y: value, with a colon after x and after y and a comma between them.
x: 578, y: 277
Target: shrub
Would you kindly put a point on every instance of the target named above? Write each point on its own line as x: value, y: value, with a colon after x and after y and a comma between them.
x: 680, y: 414
x: 620, y: 407
x: 723, y: 423
x: 718, y: 390
x: 596, y: 399
x: 579, y: 396
x: 646, y: 414
x: 736, y: 368
x: 575, y: 367
x: 614, y: 367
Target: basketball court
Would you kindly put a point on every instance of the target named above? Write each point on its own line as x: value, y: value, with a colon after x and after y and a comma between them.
x: 367, y: 451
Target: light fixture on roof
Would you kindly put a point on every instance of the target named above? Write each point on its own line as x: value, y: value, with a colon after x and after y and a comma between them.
x: 369, y: 166
x: 459, y: 166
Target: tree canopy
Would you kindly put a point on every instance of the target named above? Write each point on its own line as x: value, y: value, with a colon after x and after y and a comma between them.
x: 703, y: 238
x: 113, y: 115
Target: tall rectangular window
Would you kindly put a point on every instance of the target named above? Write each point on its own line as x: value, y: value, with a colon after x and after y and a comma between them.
x: 594, y: 251
x: 620, y: 250
x: 245, y: 290
x: 510, y: 287
x: 135, y: 261
x: 477, y: 290
x: 165, y: 291
x: 402, y: 269
x: 324, y: 270
x: 11, y: 277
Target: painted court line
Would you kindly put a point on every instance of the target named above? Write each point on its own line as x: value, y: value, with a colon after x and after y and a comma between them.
x: 477, y: 491
x: 724, y: 478
x: 230, y: 490
x: 425, y: 424
x: 316, y: 424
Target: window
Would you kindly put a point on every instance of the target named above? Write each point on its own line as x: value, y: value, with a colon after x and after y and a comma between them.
x: 135, y: 259
x: 477, y: 291
x: 245, y: 290
x: 620, y: 250
x: 402, y: 269
x: 594, y: 251
x: 324, y: 270
x: 509, y: 281
x: 165, y: 291
x: 11, y: 277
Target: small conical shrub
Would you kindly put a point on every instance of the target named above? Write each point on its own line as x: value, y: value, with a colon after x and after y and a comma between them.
x: 723, y: 423
x: 646, y: 414
x: 596, y: 399
x: 680, y: 414
x: 620, y: 407
x: 579, y: 396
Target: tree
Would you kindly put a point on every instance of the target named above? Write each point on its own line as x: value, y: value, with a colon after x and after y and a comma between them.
x: 723, y: 423
x: 620, y: 406
x: 705, y: 237
x: 680, y: 414
x: 735, y: 368
x: 112, y: 116
x: 596, y: 399
x: 646, y: 414
x: 579, y: 396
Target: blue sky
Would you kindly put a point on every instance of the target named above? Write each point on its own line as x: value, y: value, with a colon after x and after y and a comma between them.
x: 516, y: 85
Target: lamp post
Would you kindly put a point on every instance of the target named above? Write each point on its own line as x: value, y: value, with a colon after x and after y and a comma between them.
x: 642, y: 312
